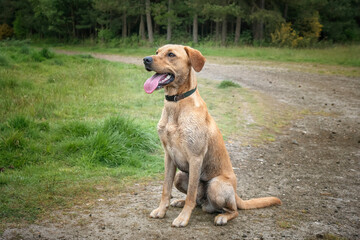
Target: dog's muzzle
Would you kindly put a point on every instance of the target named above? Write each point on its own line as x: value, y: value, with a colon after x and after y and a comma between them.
x: 147, y: 62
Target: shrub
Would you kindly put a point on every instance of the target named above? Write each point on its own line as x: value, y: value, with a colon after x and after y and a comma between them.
x: 5, y: 31
x: 105, y: 35
x: 285, y: 36
x: 42, y: 55
x: 46, y: 53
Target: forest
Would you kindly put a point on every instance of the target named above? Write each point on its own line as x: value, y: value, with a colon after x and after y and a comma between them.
x: 283, y: 23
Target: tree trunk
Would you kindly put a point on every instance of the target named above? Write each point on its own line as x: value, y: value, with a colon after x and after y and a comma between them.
x: 148, y: 21
x: 142, y: 28
x: 237, y: 29
x: 258, y: 25
x: 73, y: 22
x: 217, y: 30
x: 261, y: 24
x: 285, y: 11
x: 168, y: 33
x: 195, y: 28
x: 124, y: 25
x: 223, y: 32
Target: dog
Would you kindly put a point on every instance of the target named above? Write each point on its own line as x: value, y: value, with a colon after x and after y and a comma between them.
x: 192, y: 142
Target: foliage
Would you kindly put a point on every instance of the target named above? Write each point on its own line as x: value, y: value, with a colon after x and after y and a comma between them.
x: 5, y: 31
x: 308, y: 35
x: 286, y: 36
x: 113, y: 20
x: 105, y: 35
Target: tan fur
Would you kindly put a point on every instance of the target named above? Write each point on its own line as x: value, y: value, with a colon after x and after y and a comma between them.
x: 194, y: 144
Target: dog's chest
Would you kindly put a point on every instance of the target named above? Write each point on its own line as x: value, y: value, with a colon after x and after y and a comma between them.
x: 174, y: 144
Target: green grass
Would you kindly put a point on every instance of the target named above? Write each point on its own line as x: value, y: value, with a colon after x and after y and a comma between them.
x: 342, y: 55
x: 68, y: 124
x: 227, y: 83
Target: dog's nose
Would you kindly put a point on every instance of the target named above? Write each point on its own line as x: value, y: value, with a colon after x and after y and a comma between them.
x: 147, y: 60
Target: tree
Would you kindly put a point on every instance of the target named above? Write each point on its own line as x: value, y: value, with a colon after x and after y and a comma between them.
x: 148, y: 21
x: 218, y: 11
x: 168, y: 35
x: 264, y: 19
x: 195, y: 8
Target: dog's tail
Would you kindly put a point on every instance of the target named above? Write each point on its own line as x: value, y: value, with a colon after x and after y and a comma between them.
x: 257, y: 202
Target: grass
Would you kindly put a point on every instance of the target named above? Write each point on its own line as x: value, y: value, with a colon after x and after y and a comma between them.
x: 227, y: 83
x: 68, y: 124
x: 340, y: 55
x: 73, y: 128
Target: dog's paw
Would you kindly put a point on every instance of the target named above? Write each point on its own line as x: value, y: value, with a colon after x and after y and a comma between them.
x: 180, y: 221
x: 178, y: 203
x: 158, y: 213
x: 220, y: 220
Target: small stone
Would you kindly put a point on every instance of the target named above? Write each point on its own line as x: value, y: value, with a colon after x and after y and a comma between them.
x: 295, y: 142
x: 320, y: 235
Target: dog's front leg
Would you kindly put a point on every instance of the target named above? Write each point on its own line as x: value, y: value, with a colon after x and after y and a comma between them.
x: 194, y: 175
x: 170, y: 170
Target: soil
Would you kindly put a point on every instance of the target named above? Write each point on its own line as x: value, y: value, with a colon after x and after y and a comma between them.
x: 313, y: 166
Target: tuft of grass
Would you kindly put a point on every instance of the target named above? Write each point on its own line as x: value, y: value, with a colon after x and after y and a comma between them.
x: 46, y: 53
x: 227, y: 83
x: 24, y: 50
x: 42, y: 55
x: 4, y: 61
x: 85, y: 56
x: 75, y: 129
x: 8, y: 83
x: 19, y: 122
x: 284, y: 224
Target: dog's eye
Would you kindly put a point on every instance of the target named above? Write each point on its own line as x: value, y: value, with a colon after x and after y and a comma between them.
x: 156, y: 52
x: 171, y: 54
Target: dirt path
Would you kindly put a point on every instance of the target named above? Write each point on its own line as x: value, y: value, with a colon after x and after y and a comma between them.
x: 313, y: 166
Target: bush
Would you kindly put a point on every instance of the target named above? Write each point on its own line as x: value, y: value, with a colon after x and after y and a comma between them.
x: 285, y: 36
x: 105, y: 35
x: 46, y: 53
x: 42, y: 55
x: 5, y: 31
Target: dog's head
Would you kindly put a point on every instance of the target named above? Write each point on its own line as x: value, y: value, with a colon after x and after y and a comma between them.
x: 172, y: 64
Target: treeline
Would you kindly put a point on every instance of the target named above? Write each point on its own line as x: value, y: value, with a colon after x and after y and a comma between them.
x: 284, y: 22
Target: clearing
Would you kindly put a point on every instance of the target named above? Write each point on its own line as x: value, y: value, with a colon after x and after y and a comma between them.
x: 312, y: 165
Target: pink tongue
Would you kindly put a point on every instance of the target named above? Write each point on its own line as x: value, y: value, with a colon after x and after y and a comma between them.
x: 151, y: 84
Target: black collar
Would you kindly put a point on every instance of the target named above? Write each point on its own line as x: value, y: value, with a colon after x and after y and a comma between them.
x: 175, y: 98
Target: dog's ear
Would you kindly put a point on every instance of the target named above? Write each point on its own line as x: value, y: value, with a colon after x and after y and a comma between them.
x: 197, y: 60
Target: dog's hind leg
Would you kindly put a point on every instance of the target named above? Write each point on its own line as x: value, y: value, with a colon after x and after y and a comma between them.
x: 181, y: 183
x: 221, y: 197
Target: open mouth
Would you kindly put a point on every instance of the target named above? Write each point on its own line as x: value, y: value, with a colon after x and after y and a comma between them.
x: 157, y: 81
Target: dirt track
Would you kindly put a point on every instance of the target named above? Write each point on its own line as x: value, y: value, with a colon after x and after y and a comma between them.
x: 313, y: 166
